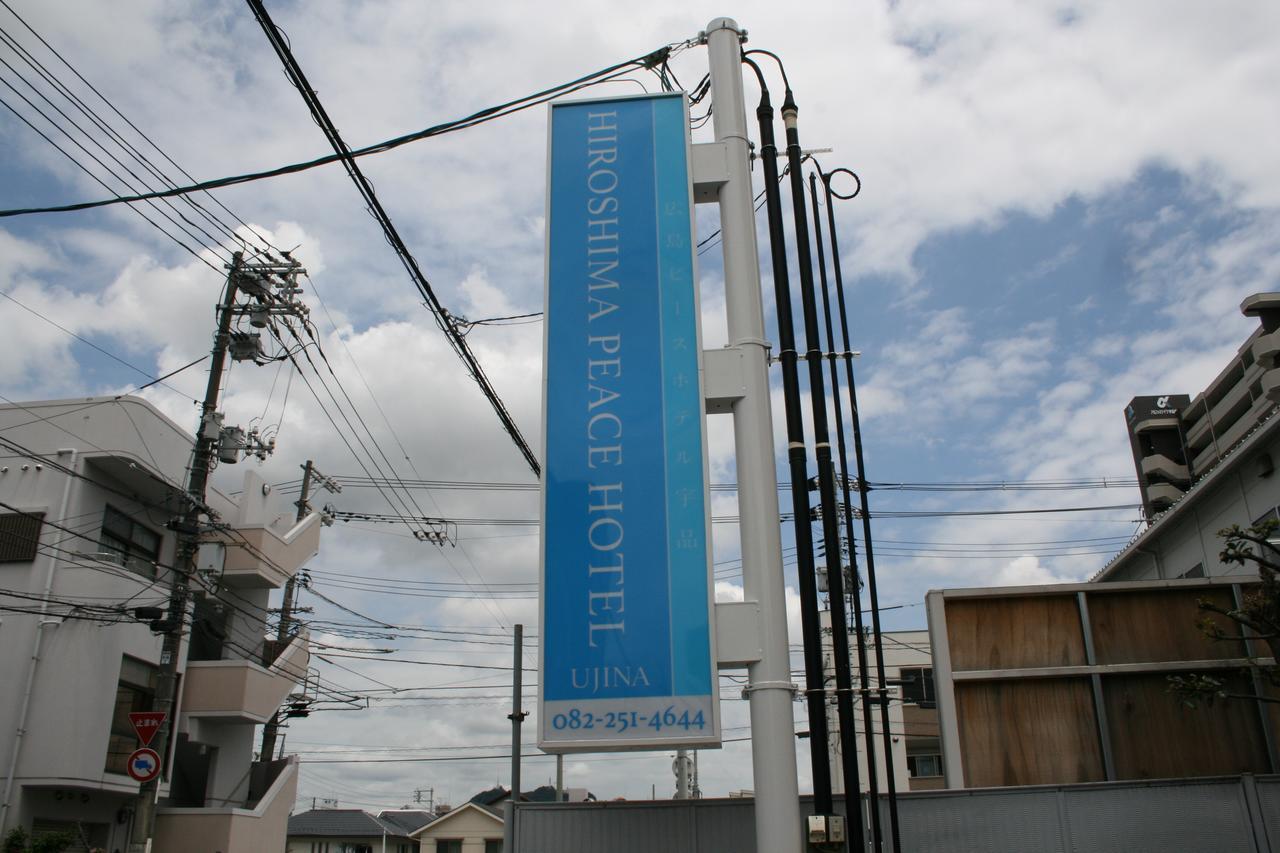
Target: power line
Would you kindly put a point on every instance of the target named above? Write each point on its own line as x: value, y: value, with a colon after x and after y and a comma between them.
x: 355, y: 481
x: 456, y: 339
x: 480, y: 117
x: 119, y: 137
x: 154, y: 379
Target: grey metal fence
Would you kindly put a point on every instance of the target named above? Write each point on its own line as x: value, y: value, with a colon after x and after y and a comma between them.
x: 1238, y: 814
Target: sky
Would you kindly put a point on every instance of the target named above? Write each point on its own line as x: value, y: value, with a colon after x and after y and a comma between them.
x: 1062, y: 206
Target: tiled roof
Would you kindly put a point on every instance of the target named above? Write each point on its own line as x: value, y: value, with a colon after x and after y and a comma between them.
x: 341, y: 823
x: 407, y: 820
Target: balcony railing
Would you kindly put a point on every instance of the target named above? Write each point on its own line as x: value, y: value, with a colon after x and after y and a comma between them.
x: 244, y: 691
x: 260, y: 824
x: 265, y: 556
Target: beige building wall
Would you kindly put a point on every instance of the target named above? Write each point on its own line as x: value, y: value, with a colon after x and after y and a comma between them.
x: 469, y: 822
x: 913, y: 729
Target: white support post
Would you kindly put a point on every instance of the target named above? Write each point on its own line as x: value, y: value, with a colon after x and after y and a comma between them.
x: 769, y: 688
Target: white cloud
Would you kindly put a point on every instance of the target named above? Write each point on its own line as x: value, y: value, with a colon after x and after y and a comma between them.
x: 959, y: 117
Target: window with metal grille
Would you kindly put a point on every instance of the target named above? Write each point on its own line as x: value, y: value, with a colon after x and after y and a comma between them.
x: 135, y: 546
x: 135, y: 692
x: 19, y: 536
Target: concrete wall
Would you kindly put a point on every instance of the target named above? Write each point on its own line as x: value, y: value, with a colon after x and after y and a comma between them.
x: 75, y: 679
x: 1237, y: 814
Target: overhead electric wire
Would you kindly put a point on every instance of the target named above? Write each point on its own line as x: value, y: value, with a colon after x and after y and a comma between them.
x: 154, y: 379
x: 456, y: 339
x: 485, y: 115
x: 186, y: 224
x: 125, y: 144
x: 72, y: 158
x: 343, y: 515
x: 356, y: 481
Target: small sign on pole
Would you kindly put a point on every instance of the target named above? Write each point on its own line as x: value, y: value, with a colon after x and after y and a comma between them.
x: 144, y: 765
x: 146, y: 724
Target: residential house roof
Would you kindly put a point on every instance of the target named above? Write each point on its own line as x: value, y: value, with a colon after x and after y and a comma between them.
x: 407, y: 821
x: 342, y: 823
x: 488, y: 811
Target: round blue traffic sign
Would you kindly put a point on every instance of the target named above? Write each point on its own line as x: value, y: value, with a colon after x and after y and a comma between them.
x: 144, y: 764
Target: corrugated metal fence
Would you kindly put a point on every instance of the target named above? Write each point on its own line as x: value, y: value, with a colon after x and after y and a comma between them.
x: 1218, y: 815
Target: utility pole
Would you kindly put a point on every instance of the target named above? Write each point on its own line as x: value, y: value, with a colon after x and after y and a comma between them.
x: 681, y: 766
x: 285, y: 630
x: 188, y: 528
x: 769, y: 686
x: 256, y: 280
x: 516, y: 717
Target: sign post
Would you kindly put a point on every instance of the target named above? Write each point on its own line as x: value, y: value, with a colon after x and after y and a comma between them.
x: 627, y: 659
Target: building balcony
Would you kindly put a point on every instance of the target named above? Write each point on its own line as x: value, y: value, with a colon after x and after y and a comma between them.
x: 268, y: 554
x: 1158, y: 422
x: 1271, y: 384
x: 1163, y: 495
x: 1198, y: 428
x: 1266, y: 349
x: 1232, y: 435
x: 1160, y: 465
x: 261, y: 824
x: 244, y: 691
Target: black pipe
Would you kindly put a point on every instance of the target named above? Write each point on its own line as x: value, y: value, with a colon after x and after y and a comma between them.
x: 855, y: 422
x: 814, y: 682
x: 855, y: 595
x: 822, y: 452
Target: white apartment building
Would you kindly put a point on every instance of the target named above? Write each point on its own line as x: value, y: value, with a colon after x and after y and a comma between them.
x: 913, y: 715
x: 87, y: 488
x: 1225, y: 473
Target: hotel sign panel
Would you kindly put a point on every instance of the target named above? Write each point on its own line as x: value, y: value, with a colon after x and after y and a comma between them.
x: 626, y: 625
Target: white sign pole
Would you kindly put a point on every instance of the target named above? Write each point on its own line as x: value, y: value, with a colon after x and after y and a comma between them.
x: 770, y: 689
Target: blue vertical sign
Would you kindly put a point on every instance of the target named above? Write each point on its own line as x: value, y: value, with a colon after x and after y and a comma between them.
x: 626, y: 629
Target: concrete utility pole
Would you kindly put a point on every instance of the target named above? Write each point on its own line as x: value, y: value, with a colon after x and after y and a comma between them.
x: 257, y: 279
x: 285, y: 630
x: 769, y: 686
x: 184, y: 565
x: 516, y: 717
x: 681, y: 767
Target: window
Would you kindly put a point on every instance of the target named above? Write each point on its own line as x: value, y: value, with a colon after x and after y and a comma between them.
x: 137, y: 547
x: 924, y: 765
x: 1196, y: 571
x: 917, y: 686
x: 136, y: 692
x: 19, y: 536
x: 448, y: 845
x: 493, y: 845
